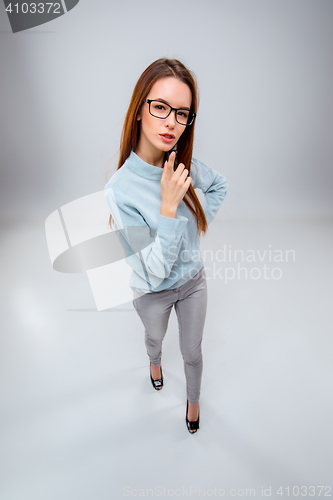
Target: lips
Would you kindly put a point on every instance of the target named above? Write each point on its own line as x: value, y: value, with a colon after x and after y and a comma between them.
x: 168, y: 136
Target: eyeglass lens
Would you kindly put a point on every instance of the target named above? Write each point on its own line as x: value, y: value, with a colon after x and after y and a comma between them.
x: 161, y: 110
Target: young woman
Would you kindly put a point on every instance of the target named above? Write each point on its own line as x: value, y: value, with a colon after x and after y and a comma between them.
x: 159, y: 217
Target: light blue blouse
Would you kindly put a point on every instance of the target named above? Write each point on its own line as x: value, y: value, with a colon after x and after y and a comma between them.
x: 164, y: 252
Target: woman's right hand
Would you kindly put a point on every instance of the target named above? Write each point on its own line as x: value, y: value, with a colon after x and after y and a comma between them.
x: 174, y: 185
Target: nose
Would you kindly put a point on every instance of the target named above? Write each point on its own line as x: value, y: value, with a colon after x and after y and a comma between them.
x: 171, y: 119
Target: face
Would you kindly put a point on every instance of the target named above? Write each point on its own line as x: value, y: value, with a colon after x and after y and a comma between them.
x: 178, y: 95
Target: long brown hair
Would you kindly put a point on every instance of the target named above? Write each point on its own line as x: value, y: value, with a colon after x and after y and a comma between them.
x: 131, y: 129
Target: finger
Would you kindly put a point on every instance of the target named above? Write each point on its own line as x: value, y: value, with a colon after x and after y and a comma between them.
x: 167, y: 170
x: 172, y: 157
x: 184, y: 174
x: 185, y: 186
x: 169, y: 164
x: 187, y: 183
x: 179, y: 169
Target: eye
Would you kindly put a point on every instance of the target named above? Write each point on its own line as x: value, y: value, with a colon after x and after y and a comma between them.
x: 183, y: 113
x: 158, y: 106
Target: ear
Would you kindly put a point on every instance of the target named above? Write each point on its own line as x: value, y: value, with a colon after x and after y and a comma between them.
x: 138, y: 117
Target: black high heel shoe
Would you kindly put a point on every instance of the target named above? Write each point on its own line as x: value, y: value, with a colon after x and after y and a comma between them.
x: 192, y: 426
x: 157, y: 384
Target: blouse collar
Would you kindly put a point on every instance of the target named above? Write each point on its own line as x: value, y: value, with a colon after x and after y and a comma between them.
x: 142, y: 168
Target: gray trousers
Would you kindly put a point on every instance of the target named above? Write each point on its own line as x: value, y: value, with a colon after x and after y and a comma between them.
x: 190, y: 301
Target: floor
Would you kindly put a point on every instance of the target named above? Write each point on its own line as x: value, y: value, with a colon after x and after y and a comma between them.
x: 81, y: 421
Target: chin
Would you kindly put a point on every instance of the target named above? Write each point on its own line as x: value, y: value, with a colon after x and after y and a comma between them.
x: 165, y: 148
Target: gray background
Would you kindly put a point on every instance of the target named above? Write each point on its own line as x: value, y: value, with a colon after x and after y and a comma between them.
x: 265, y: 116
x: 79, y: 418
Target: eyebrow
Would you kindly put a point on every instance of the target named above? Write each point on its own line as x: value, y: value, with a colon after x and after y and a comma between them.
x: 163, y: 100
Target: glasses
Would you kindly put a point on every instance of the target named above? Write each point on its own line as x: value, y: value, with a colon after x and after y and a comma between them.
x: 161, y: 110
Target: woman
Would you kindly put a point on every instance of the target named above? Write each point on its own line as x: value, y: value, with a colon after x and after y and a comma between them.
x: 159, y: 217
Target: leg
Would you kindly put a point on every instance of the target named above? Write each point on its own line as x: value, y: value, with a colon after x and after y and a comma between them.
x: 191, y: 313
x: 154, y: 311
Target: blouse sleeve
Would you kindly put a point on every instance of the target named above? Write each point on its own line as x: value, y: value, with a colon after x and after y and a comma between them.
x: 213, y: 184
x: 146, y: 250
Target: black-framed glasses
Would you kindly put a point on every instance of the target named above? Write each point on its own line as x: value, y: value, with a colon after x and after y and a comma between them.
x: 162, y: 110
